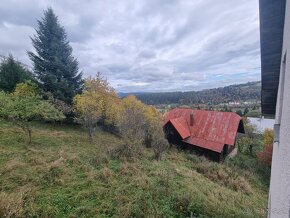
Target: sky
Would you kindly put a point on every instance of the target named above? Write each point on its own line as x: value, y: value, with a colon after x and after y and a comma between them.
x: 147, y: 45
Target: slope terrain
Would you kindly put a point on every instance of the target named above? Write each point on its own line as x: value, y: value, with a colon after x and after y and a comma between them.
x: 61, y: 174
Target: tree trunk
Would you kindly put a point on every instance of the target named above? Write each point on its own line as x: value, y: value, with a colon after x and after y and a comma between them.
x: 158, y: 156
x: 90, y: 131
x: 29, y: 135
x: 26, y: 129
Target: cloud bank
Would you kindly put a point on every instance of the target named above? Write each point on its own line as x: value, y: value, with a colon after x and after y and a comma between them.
x: 147, y: 45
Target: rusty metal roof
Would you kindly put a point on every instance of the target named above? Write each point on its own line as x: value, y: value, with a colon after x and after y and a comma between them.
x: 178, y: 123
x: 210, y: 130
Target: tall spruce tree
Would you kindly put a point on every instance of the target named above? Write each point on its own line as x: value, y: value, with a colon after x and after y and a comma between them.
x: 55, y: 67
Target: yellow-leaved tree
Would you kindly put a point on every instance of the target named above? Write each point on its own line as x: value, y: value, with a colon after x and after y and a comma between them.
x: 96, y: 104
x: 268, y: 137
x: 155, y: 136
x: 139, y: 124
x: 24, y: 105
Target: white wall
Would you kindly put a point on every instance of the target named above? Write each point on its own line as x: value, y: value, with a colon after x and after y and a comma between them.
x: 279, y: 195
x: 262, y: 123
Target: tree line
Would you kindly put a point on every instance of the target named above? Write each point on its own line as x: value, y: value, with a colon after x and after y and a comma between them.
x: 241, y: 92
x: 55, y: 91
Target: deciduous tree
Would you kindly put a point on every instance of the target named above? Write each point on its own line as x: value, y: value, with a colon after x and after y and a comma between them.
x: 140, y: 124
x: 95, y: 104
x: 25, y: 105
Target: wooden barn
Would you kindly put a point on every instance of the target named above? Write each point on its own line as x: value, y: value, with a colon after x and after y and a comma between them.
x: 210, y: 133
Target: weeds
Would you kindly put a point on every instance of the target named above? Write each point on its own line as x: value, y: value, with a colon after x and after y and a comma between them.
x: 224, y: 176
x: 63, y: 175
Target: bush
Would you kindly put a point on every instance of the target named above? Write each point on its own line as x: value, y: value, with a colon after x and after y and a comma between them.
x: 268, y: 137
x: 139, y: 125
x: 265, y: 156
x: 127, y: 151
x: 243, y: 144
x: 159, y: 144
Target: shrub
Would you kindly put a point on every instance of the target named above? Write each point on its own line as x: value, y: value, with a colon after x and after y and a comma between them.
x: 52, y: 175
x: 241, y: 184
x: 159, y: 143
x: 268, y: 137
x: 265, y: 156
x: 243, y: 144
x: 127, y: 151
x: 139, y: 125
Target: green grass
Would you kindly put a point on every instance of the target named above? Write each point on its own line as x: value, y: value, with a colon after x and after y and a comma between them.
x: 62, y: 175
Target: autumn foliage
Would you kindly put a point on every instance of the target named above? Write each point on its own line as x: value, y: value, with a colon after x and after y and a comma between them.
x: 265, y: 156
x: 95, y: 104
x: 138, y: 124
x: 25, y: 105
x: 268, y: 137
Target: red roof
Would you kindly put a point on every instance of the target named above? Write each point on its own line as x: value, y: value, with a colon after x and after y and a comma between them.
x: 210, y: 130
x: 178, y: 124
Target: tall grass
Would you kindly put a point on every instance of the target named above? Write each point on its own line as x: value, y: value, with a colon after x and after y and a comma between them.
x: 61, y: 174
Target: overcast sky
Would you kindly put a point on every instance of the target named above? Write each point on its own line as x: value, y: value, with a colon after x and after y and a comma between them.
x: 148, y: 45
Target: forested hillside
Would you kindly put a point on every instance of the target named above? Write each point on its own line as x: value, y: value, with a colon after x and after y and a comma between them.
x: 241, y: 92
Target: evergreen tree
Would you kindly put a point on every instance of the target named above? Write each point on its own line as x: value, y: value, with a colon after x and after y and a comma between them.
x: 12, y: 73
x: 246, y: 111
x: 55, y: 67
x: 239, y: 112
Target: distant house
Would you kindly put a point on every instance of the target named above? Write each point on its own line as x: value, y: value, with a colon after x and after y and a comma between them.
x: 234, y: 103
x: 210, y: 133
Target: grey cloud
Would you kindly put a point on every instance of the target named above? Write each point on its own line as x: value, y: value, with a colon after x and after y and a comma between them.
x: 151, y: 45
x: 147, y: 54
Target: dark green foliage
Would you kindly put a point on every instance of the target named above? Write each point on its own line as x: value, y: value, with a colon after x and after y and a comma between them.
x: 54, y: 65
x: 246, y: 111
x: 239, y: 112
x: 11, y: 73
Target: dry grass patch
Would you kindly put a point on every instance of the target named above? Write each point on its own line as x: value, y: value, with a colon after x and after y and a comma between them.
x: 14, y: 204
x: 13, y: 164
x: 224, y: 176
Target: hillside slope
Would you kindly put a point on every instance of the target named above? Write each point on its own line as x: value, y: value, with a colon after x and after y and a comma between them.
x: 62, y: 175
x: 243, y: 92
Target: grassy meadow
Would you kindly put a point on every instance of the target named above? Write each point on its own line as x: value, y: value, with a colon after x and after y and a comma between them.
x: 62, y: 174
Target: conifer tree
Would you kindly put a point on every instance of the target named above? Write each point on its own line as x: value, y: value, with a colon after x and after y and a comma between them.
x: 12, y: 73
x: 54, y: 65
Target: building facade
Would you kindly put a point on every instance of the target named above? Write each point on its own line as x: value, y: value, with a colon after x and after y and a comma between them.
x: 275, y: 44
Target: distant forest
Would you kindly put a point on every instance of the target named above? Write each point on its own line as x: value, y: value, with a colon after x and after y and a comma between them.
x: 241, y: 92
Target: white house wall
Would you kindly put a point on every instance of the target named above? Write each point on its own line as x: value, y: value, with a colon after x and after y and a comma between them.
x: 279, y: 195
